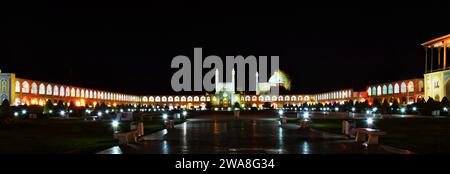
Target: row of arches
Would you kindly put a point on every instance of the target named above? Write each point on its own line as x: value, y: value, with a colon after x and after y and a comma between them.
x: 268, y: 98
x: 176, y: 99
x: 394, y: 88
x: 344, y: 94
x: 33, y: 88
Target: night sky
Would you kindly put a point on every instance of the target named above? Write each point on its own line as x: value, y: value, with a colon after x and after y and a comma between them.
x: 130, y: 49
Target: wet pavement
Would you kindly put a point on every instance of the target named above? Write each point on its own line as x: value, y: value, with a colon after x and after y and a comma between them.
x: 226, y: 134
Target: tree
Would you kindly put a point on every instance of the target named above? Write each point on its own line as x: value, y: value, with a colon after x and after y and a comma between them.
x: 236, y: 105
x: 208, y: 105
x: 60, y: 106
x: 48, y: 106
x: 376, y: 103
x: 5, y: 111
x: 445, y: 102
x: 266, y: 105
x: 430, y: 106
x: 395, y: 105
x: 385, y: 107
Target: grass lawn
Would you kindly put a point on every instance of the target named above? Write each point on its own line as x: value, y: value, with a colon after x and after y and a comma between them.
x: 420, y: 135
x: 63, y: 136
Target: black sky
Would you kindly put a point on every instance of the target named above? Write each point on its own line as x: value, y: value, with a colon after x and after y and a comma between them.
x: 130, y: 49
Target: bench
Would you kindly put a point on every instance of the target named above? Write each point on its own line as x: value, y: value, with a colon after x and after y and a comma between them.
x: 373, y: 135
x: 124, y: 137
x: 134, y: 134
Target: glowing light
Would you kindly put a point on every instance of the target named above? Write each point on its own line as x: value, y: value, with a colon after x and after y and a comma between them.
x: 99, y: 114
x: 50, y: 111
x: 353, y: 109
x: 280, y: 112
x: 336, y: 109
x: 367, y: 112
x: 165, y: 116
x: 24, y: 112
x: 88, y: 111
x: 107, y: 111
x: 374, y: 109
x: 306, y: 115
x: 62, y: 113
x: 70, y: 111
x: 445, y: 109
x: 115, y: 123
x: 16, y: 114
x: 229, y: 108
x: 121, y: 110
x: 369, y: 121
x: 402, y: 110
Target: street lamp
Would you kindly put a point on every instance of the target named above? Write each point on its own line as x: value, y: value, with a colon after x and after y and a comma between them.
x: 280, y: 112
x: 115, y: 124
x: 164, y: 116
x: 369, y: 121
x: 16, y: 114
x: 402, y: 110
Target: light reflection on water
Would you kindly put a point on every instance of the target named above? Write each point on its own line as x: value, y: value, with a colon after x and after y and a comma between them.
x: 165, y: 147
x: 305, y: 148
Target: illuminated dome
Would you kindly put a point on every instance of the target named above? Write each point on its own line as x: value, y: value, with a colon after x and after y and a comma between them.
x: 280, y: 78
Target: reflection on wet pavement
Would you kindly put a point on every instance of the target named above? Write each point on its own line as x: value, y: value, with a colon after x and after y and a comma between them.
x: 245, y: 135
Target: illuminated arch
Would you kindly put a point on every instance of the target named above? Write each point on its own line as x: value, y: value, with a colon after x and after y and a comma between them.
x: 203, y: 98
x: 177, y: 99
x: 189, y: 98
x: 67, y: 92
x: 286, y: 98
x: 274, y: 98
x: 247, y: 98
x: 390, y: 89
x: 410, y: 86
x: 196, y: 99
x: 82, y: 93
x: 385, y: 90
x: 95, y: 94
x: 254, y: 98
x: 293, y: 98
x: 261, y: 98
x: 306, y: 98
x: 42, y: 89
x: 49, y: 90
x: 61, y: 91
x: 72, y: 92
x: 374, y: 90
x: 420, y: 86
x: 17, y: 86
x: 170, y: 99
x: 34, y: 88
x: 55, y: 90
x: 164, y: 99
x: 267, y: 99
x: 379, y: 90
x: 208, y: 98
x: 403, y: 87
x: 396, y: 88
x: 145, y: 99
x: 183, y: 99
x: 300, y: 98
x: 280, y: 98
